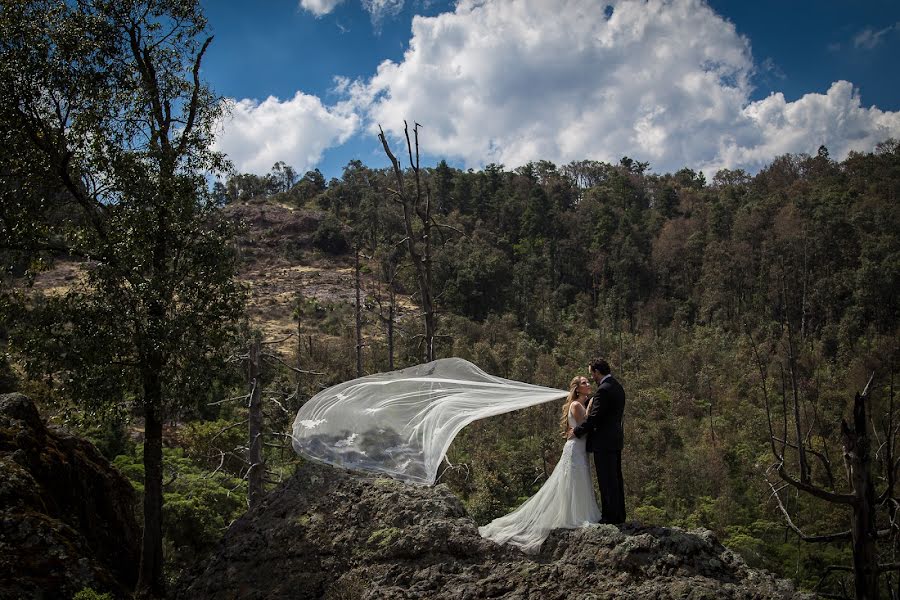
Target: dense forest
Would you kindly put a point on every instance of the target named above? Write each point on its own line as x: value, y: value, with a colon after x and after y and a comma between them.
x: 706, y: 296
x: 740, y: 313
x: 682, y: 283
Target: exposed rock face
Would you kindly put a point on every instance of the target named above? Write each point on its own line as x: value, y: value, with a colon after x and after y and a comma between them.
x: 66, y: 516
x: 273, y: 228
x: 334, y: 534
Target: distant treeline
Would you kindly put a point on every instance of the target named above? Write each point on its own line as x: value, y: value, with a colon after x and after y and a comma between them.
x: 807, y: 239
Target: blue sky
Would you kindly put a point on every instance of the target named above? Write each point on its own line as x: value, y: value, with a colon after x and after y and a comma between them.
x: 681, y: 83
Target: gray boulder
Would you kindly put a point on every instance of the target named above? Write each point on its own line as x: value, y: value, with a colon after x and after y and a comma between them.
x: 330, y: 533
x: 66, y: 515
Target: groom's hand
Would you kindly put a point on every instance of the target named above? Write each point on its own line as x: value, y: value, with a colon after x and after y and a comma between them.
x: 570, y: 434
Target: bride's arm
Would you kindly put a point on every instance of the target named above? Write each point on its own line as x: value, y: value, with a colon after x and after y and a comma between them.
x: 578, y: 412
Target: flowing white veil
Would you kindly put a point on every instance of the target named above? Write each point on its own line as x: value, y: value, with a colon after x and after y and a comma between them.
x: 401, y: 423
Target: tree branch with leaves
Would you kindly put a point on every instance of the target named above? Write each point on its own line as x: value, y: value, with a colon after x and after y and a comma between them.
x: 107, y: 100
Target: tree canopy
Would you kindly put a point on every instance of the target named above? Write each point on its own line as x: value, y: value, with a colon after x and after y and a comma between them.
x: 112, y: 126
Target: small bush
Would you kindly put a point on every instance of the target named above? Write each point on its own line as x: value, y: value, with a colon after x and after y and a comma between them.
x: 329, y: 236
x: 89, y: 594
x: 198, y: 504
x: 650, y: 515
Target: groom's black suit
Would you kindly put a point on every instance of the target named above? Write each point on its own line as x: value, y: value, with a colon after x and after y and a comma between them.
x: 606, y: 438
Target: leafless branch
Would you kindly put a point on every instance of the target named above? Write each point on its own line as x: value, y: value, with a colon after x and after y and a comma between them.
x: 216, y: 470
x: 760, y: 365
x: 828, y: 571
x: 458, y: 467
x: 843, y: 535
x: 217, y: 402
x: 815, y: 490
x: 294, y: 369
x: 822, y: 458
x: 232, y: 426
x: 195, y: 94
x: 284, y: 339
x: 281, y: 406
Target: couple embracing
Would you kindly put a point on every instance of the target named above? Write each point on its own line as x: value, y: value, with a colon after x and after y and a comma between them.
x: 592, y: 423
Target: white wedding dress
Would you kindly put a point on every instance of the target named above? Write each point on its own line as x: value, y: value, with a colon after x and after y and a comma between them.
x: 401, y: 424
x: 566, y: 500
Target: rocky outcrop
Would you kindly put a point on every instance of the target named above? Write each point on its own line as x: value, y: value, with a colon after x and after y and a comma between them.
x: 272, y: 229
x: 66, y: 515
x: 329, y: 533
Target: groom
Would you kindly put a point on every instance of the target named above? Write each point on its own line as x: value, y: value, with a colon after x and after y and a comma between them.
x: 605, y: 438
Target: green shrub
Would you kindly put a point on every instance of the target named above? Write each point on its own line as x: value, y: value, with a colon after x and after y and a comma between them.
x: 89, y: 594
x: 204, y: 441
x: 329, y: 236
x: 198, y: 504
x: 651, y: 515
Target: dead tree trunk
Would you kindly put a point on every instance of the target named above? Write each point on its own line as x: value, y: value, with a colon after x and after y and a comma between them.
x: 416, y: 203
x: 792, y: 367
x: 863, y: 529
x: 359, y: 344
x: 390, y: 331
x: 860, y: 499
x: 388, y: 321
x: 256, y: 474
x: 387, y: 315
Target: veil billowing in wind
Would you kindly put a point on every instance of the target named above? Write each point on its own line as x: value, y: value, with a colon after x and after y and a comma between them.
x: 401, y: 423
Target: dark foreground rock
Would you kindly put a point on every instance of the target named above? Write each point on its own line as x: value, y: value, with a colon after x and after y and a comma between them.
x: 328, y: 533
x: 66, y: 516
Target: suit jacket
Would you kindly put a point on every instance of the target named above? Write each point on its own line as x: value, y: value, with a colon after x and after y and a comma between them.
x: 603, y: 425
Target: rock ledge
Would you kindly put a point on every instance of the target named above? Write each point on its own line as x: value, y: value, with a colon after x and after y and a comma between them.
x: 66, y: 515
x: 329, y: 533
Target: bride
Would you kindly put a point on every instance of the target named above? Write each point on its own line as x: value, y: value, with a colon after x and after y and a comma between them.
x: 566, y: 500
x: 401, y: 424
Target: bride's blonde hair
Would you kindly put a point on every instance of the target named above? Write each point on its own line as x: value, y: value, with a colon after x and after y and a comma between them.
x: 573, y: 393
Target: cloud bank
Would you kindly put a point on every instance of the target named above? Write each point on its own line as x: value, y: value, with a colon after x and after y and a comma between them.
x: 667, y: 82
x: 256, y: 135
x: 510, y: 81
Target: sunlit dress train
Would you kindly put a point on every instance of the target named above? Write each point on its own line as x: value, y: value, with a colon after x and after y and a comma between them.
x: 566, y: 500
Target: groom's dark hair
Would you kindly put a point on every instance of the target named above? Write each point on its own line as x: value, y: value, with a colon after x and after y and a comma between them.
x: 600, y: 365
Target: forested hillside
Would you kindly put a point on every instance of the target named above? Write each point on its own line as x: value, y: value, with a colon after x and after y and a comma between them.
x: 708, y: 297
x: 178, y: 312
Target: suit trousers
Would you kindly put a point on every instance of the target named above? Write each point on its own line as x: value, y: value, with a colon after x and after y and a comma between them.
x: 608, y: 464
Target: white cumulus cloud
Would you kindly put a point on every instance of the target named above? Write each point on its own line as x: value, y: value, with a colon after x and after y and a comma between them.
x: 319, y: 7
x: 256, y: 135
x: 668, y: 81
x: 835, y: 119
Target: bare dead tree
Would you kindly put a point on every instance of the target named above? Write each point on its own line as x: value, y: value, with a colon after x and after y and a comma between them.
x: 864, y: 529
x: 416, y: 203
x: 387, y: 307
x: 358, y: 310
x: 257, y: 398
x: 256, y: 472
x: 857, y: 495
